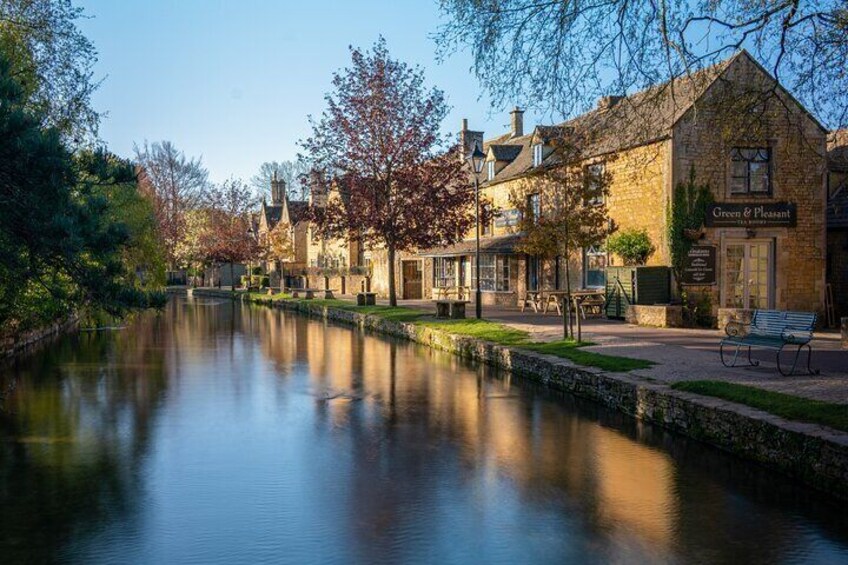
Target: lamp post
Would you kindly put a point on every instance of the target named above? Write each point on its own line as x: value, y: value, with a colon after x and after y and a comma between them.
x: 475, y: 160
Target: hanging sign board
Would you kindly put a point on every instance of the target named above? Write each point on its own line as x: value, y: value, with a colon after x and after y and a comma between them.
x: 744, y: 215
x: 507, y: 218
x: 699, y: 267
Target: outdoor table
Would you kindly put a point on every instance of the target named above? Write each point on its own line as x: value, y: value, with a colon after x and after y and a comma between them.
x: 592, y: 297
x: 532, y: 296
x: 558, y: 296
x: 309, y: 293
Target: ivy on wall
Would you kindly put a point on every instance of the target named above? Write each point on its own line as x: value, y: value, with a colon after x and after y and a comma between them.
x: 686, y: 220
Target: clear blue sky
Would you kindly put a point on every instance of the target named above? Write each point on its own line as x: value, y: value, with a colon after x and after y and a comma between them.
x: 233, y: 81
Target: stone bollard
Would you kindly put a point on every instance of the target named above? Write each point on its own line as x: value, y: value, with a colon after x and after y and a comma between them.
x: 845, y: 333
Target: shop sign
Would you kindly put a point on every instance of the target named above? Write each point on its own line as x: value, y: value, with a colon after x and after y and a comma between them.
x: 507, y: 218
x: 735, y: 215
x: 699, y: 266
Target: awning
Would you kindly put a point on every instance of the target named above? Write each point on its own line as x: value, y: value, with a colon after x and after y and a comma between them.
x: 501, y: 245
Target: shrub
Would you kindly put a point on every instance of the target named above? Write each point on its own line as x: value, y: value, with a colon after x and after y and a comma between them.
x: 633, y: 246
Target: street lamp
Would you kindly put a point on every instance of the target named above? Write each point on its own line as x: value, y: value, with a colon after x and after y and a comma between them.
x: 475, y: 161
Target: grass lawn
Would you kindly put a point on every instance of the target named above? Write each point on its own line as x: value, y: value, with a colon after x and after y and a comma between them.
x: 777, y: 403
x: 482, y: 329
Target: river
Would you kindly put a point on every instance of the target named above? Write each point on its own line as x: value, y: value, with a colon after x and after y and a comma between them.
x: 215, y: 432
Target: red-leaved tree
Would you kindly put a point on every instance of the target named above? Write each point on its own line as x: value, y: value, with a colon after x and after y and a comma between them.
x: 400, y: 187
x: 230, y: 239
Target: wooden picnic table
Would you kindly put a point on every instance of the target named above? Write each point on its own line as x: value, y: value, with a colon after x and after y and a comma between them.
x: 579, y: 298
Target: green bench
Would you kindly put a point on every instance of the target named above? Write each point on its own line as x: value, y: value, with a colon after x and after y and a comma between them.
x: 771, y: 329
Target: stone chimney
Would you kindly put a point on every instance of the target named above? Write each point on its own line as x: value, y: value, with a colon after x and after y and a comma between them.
x: 607, y: 102
x: 278, y: 190
x: 468, y: 138
x: 516, y: 121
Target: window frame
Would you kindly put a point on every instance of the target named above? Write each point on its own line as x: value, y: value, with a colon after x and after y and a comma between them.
x: 538, y: 154
x: 533, y: 205
x: 496, y: 270
x: 490, y: 170
x: 593, y: 174
x: 736, y: 156
x: 442, y: 274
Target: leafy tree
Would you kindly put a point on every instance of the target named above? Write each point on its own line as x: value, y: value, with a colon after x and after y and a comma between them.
x: 562, y: 55
x: 174, y: 184
x: 230, y: 239
x: 52, y: 61
x: 189, y: 250
x: 279, y: 245
x: 633, y: 246
x: 60, y: 244
x: 379, y: 138
x: 573, y: 216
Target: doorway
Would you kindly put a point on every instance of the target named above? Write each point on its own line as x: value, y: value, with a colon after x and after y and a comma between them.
x: 749, y: 274
x: 412, y: 280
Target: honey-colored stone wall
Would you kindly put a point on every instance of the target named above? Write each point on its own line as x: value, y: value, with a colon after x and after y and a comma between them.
x: 736, y: 113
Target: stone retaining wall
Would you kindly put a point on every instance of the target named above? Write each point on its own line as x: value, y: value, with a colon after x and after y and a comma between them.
x: 13, y: 345
x: 813, y: 454
x: 656, y: 316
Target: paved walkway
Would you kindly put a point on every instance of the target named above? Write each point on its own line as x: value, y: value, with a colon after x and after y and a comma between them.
x: 686, y: 354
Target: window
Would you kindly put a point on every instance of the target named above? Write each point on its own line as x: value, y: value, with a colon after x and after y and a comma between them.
x: 490, y: 168
x: 748, y: 274
x: 594, y: 267
x: 534, y: 207
x: 538, y: 154
x: 494, y: 272
x: 594, y: 183
x: 749, y: 170
x: 444, y: 272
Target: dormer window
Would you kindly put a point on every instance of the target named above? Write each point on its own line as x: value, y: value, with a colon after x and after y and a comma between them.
x: 538, y: 154
x: 490, y: 170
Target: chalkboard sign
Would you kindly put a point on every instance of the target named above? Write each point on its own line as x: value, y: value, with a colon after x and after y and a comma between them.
x: 699, y: 267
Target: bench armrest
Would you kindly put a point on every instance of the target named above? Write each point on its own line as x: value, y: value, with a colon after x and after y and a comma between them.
x: 796, y: 335
x: 735, y: 329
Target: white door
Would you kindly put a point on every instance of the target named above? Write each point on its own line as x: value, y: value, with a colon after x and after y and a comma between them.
x: 748, y: 274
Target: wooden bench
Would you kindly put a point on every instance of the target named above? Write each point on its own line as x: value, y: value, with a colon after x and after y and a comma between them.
x: 531, y: 297
x: 366, y: 298
x: 453, y: 309
x: 772, y: 329
x: 328, y: 293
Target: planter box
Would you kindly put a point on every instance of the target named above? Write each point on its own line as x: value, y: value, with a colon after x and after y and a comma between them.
x: 656, y: 316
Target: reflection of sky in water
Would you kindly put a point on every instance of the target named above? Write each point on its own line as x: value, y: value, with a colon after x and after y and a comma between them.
x: 243, y: 434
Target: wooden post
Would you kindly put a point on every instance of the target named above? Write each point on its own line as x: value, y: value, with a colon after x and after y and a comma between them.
x: 845, y: 333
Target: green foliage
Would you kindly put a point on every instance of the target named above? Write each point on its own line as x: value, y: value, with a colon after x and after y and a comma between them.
x: 686, y: 214
x: 68, y: 226
x: 778, y: 403
x: 633, y: 246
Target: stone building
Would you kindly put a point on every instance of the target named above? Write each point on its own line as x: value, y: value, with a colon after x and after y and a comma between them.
x: 291, y: 213
x: 837, y: 221
x: 759, y: 151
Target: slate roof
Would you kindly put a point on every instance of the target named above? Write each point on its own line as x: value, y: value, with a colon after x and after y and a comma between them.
x: 504, y: 244
x: 297, y: 210
x: 273, y: 215
x: 837, y: 162
x: 505, y: 152
x: 641, y: 118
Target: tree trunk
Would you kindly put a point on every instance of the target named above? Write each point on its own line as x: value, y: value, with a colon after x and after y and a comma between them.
x: 232, y: 277
x: 392, y: 293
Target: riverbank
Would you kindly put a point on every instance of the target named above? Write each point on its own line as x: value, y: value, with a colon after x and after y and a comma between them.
x: 812, y: 453
x: 14, y: 345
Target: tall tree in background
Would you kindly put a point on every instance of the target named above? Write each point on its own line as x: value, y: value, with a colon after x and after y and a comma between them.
x: 568, y: 214
x: 289, y: 171
x: 230, y: 239
x: 562, y: 55
x: 174, y: 184
x: 380, y: 138
x: 52, y: 61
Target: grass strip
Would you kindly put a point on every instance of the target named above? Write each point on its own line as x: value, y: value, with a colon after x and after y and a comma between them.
x: 777, y: 403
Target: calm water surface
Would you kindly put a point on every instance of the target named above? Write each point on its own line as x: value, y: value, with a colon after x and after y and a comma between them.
x: 219, y: 433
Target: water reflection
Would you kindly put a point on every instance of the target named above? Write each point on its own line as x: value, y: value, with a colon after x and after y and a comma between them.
x: 221, y: 433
